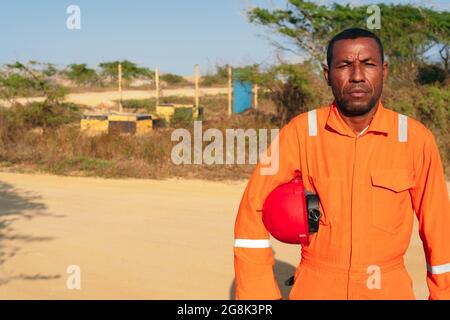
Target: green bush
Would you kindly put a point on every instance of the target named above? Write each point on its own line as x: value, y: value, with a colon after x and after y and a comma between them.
x: 82, y: 75
x: 173, y: 79
x: 182, y: 117
x: 289, y: 86
x: 220, y: 77
x: 148, y: 104
x: 430, y: 74
x: 40, y: 115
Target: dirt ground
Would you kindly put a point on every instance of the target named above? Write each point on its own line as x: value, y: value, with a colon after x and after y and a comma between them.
x: 132, y: 239
x: 108, y: 98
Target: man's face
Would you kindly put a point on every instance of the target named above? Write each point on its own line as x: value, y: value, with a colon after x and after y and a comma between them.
x: 356, y: 75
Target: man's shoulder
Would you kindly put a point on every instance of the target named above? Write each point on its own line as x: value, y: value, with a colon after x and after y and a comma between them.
x: 301, y: 120
x: 416, y: 129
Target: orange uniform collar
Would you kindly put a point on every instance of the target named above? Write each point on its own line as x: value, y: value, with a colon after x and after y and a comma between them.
x: 336, y: 123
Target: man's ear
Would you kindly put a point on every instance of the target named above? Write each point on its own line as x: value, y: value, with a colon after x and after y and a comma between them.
x: 385, y: 70
x: 326, y: 74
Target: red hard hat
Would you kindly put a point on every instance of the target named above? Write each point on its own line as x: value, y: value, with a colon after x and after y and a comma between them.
x: 285, y: 212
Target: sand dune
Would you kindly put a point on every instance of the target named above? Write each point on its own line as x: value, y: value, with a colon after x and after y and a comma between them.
x: 132, y: 239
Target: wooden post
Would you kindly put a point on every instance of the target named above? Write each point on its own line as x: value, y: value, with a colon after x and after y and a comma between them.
x: 255, y: 96
x: 157, y: 85
x: 230, y: 90
x: 197, y: 103
x: 120, y: 86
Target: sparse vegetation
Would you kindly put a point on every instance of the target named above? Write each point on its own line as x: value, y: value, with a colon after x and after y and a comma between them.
x: 64, y: 150
x: 81, y: 75
x: 130, y: 71
x: 174, y: 79
x: 34, y: 78
x: 45, y: 135
x: 219, y: 78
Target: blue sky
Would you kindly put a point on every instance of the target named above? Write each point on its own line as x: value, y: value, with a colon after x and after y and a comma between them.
x: 174, y: 34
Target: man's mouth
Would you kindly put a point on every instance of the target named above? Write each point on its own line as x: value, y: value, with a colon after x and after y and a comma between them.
x: 357, y: 93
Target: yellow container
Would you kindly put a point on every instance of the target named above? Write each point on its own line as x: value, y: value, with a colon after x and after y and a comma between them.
x: 166, y: 111
x: 94, y: 124
x: 120, y: 123
x: 131, y: 123
x: 122, y: 117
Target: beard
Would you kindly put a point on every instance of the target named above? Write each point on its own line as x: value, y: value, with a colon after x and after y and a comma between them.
x: 354, y: 108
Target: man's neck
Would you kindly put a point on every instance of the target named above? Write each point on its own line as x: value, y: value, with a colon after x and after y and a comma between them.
x: 359, y: 123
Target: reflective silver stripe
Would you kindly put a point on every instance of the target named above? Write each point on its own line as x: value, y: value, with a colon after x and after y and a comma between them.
x: 247, y: 243
x: 443, y: 268
x: 312, y: 123
x: 402, y: 128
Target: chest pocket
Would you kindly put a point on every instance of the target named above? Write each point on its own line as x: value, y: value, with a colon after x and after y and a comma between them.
x: 390, y: 197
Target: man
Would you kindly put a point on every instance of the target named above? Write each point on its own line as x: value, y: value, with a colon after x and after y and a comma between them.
x: 372, y: 169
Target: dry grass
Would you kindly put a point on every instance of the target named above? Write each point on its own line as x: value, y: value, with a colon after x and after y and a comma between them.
x: 67, y: 151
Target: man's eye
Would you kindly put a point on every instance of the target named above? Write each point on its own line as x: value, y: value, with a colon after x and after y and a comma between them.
x: 370, y: 64
x: 343, y: 66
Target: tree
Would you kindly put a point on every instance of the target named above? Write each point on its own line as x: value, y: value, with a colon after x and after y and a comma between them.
x: 444, y: 52
x: 33, y: 78
x: 408, y: 32
x: 130, y: 70
x: 81, y: 75
x: 38, y: 79
x: 13, y: 85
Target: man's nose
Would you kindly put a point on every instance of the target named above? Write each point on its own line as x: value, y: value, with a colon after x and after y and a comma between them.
x: 357, y: 74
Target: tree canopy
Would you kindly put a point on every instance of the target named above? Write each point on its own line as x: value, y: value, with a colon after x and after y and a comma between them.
x: 81, y: 74
x: 130, y: 70
x: 408, y: 33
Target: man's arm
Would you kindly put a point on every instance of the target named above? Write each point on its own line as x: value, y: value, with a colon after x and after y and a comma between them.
x: 431, y: 204
x: 253, y: 257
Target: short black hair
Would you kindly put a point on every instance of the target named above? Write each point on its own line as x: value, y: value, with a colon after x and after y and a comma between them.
x: 352, y: 33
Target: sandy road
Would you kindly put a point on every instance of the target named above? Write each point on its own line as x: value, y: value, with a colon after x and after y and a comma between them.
x: 132, y: 239
x: 108, y: 98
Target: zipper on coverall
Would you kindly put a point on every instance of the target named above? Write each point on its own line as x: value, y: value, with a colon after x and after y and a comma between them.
x: 351, y: 215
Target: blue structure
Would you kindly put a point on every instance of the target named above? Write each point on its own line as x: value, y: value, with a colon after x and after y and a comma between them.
x: 242, y: 99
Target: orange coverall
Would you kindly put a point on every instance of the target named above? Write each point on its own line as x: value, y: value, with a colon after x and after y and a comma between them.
x: 369, y: 187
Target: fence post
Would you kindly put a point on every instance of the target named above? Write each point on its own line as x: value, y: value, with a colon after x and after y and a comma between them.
x: 120, y: 86
x: 230, y: 90
x: 197, y: 101
x: 255, y: 96
x: 157, y: 85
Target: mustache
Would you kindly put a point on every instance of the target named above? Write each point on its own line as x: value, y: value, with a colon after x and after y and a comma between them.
x: 358, y: 87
